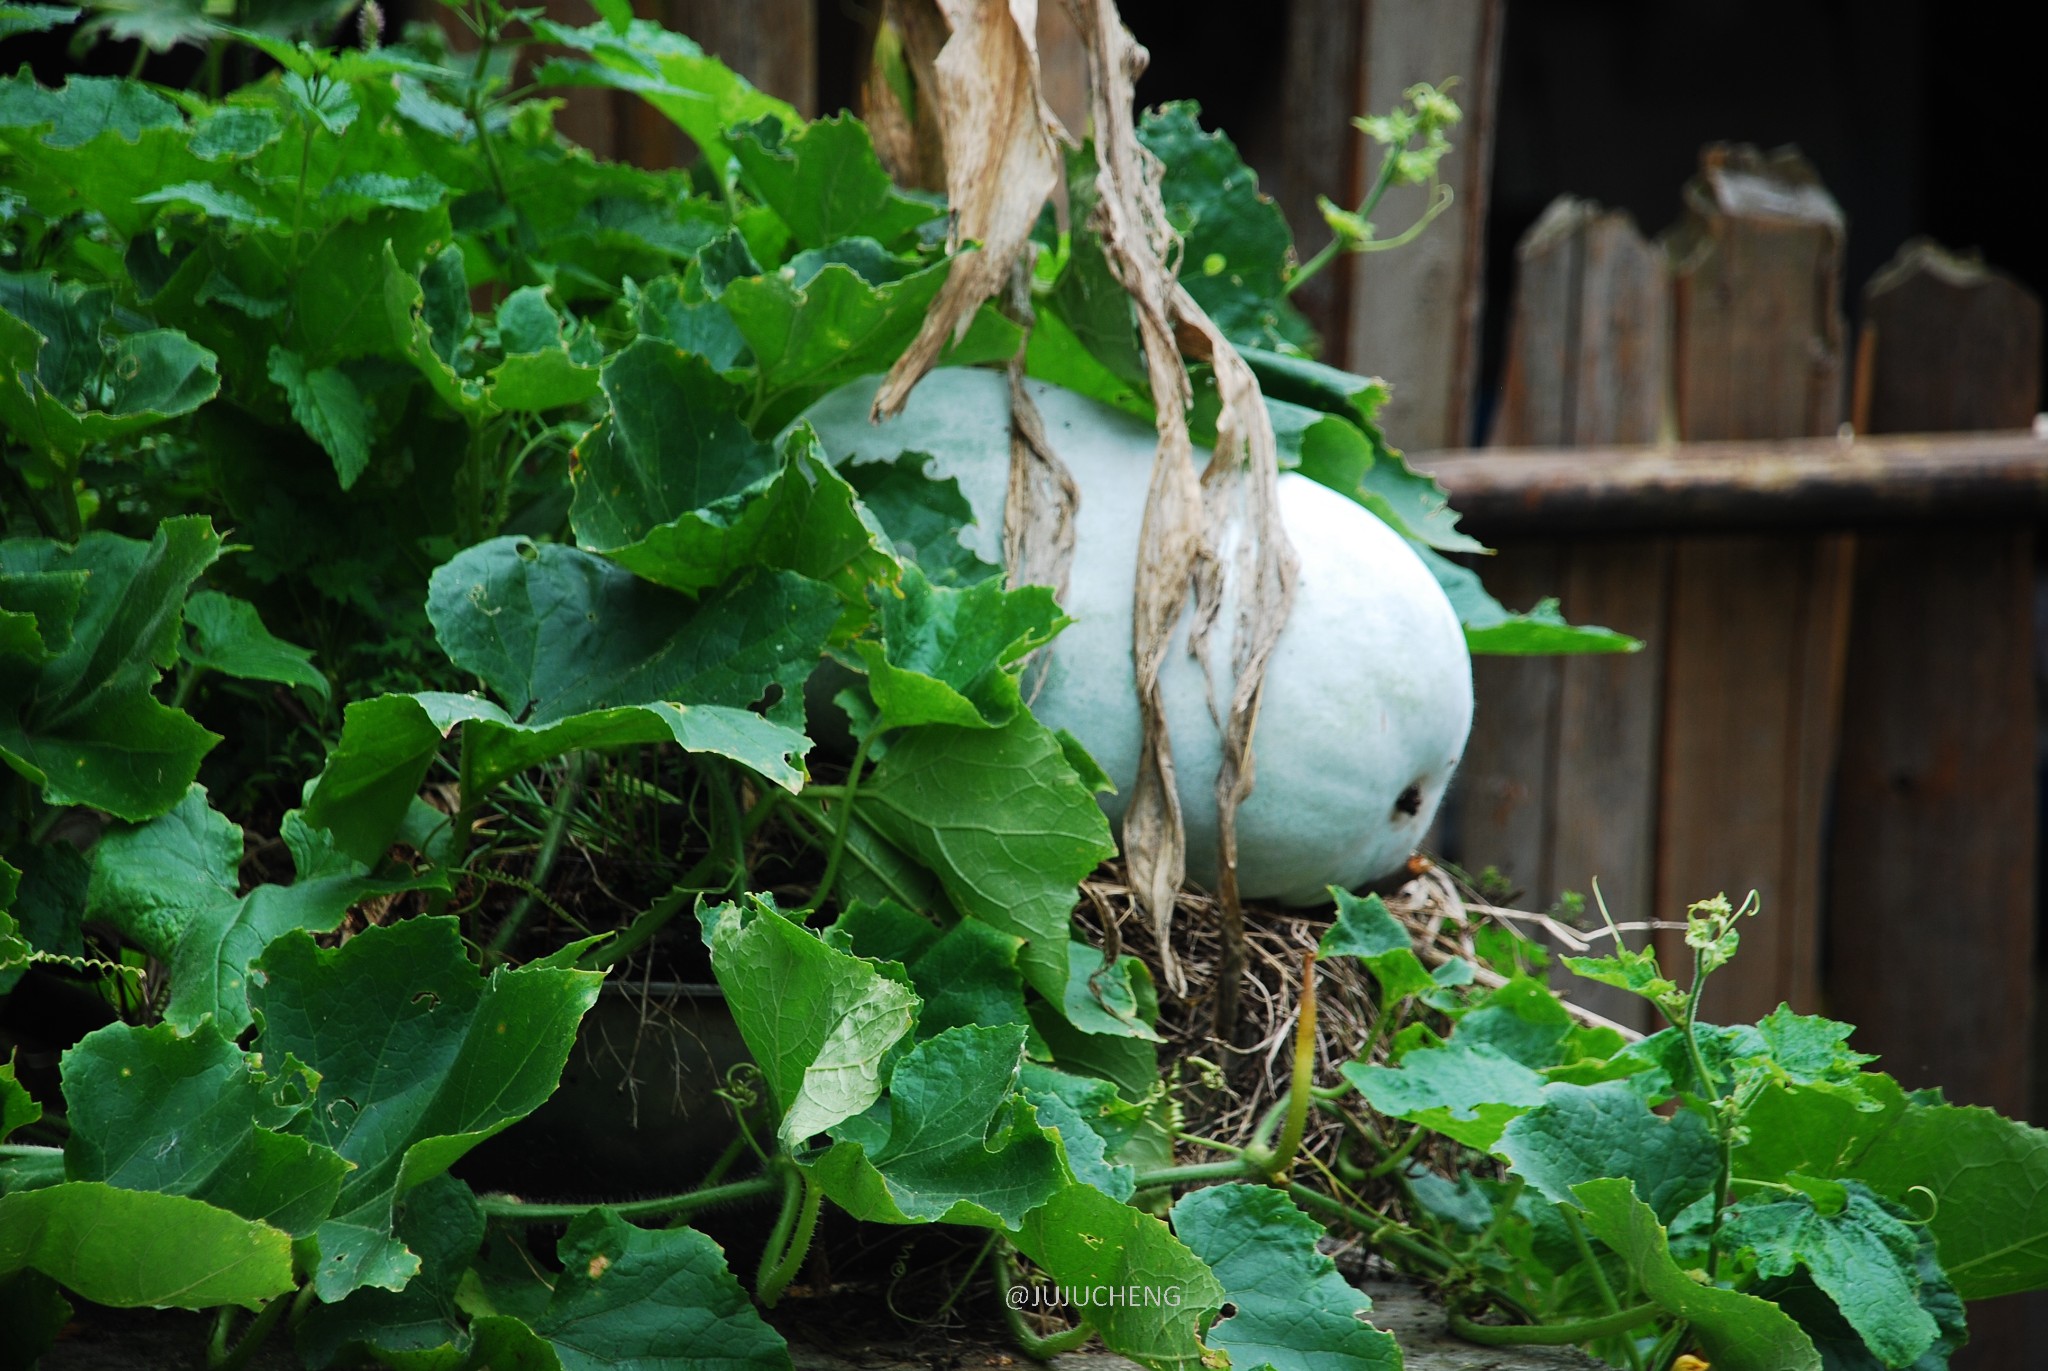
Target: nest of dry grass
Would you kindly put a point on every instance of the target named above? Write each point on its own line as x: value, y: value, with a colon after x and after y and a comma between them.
x: 1224, y: 1088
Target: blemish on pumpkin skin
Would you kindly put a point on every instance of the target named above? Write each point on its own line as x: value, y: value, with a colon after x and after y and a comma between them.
x: 599, y: 1264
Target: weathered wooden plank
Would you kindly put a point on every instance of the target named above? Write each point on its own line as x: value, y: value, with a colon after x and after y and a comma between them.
x: 1319, y: 155
x: 773, y: 43
x: 1413, y: 315
x: 1758, y: 623
x: 1801, y: 483
x: 1932, y: 918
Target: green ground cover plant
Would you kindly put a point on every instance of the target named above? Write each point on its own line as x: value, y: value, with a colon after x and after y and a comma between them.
x: 431, y: 496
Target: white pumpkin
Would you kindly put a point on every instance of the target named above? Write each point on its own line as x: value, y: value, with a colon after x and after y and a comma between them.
x: 1368, y: 696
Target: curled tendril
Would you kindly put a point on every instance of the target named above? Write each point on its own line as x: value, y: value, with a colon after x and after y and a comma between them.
x: 1933, y: 1205
x: 742, y: 1086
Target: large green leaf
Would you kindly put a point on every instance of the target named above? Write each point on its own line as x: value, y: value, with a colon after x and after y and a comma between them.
x: 455, y: 1058
x: 556, y: 632
x: 1584, y: 1132
x: 952, y: 656
x: 812, y: 334
x: 819, y: 1022
x: 954, y: 1142
x: 1738, y: 1332
x: 1469, y: 1092
x: 998, y: 815
x: 676, y: 489
x: 228, y: 636
x: 670, y: 73
x: 18, y: 1108
x: 328, y: 406
x: 131, y: 1248
x: 922, y: 516
x: 153, y: 1110
x: 825, y: 181
x: 1237, y: 250
x: 965, y: 975
x: 441, y: 1223
x: 84, y: 727
x: 1149, y: 1296
x: 170, y: 886
x: 1293, y: 1311
x: 1864, y: 1257
x: 1490, y: 628
x: 542, y: 369
x: 1093, y: 1121
x: 632, y: 1299
x: 89, y: 145
x: 78, y: 373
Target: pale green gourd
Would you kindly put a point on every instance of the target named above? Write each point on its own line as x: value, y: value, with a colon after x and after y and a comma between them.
x: 1368, y: 697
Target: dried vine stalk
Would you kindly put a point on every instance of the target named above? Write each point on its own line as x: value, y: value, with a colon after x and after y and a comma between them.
x: 1001, y: 148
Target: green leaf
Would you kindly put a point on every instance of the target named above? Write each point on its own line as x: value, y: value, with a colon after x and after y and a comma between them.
x: 1467, y: 1092
x: 18, y: 1108
x: 678, y: 310
x: 170, y: 886
x: 540, y: 371
x: 212, y: 202
x: 455, y: 1059
x: 1093, y: 1121
x: 698, y: 93
x: 817, y: 1021
x: 1490, y: 628
x: 1366, y: 930
x: 78, y: 373
x: 952, y: 656
x: 331, y: 410
x: 134, y: 1248
x: 674, y: 487
x: 1865, y: 1259
x: 1584, y: 1132
x: 85, y: 727
x: 922, y: 515
x: 16, y: 19
x: 228, y: 636
x: 1085, y: 1240
x: 652, y: 1301
x: 810, y: 336
x: 1842, y: 1348
x: 1237, y: 250
x: 556, y: 632
x: 1293, y: 1311
x: 442, y: 1224
x: 1738, y: 1332
x: 954, y: 1142
x: 151, y: 1110
x: 1002, y: 821
x: 965, y: 975
x: 825, y: 181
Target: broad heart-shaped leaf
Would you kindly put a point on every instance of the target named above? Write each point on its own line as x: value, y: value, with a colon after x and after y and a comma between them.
x: 228, y: 636
x: 84, y: 726
x: 674, y: 488
x: 1466, y: 1092
x: 328, y: 406
x: 451, y: 1059
x: 542, y: 370
x: 1865, y: 1258
x: 1163, y: 1293
x: 922, y: 516
x: 825, y: 182
x: 672, y: 74
x: 426, y: 333
x: 373, y: 776
x: 1294, y: 1312
x: 18, y: 1108
x: 151, y: 1110
x: 76, y: 376
x: 16, y: 19
x: 1584, y: 1132
x: 556, y: 632
x: 1093, y: 1121
x: 1842, y: 1348
x: 1366, y: 930
x: 818, y: 1021
x: 170, y: 886
x: 631, y: 1299
x: 998, y: 815
x: 679, y: 310
x: 136, y: 1248
x: 1237, y: 250
x: 950, y: 656
x: 810, y: 336
x: 953, y: 1142
x: 1738, y: 1332
x: 439, y: 1222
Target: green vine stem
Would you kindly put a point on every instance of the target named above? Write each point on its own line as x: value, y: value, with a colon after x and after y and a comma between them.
x: 512, y: 1210
x: 844, y: 827
x: 1600, y: 1281
x: 1035, y: 1345
x: 774, y: 1280
x: 1552, y: 1334
x: 1304, y: 1073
